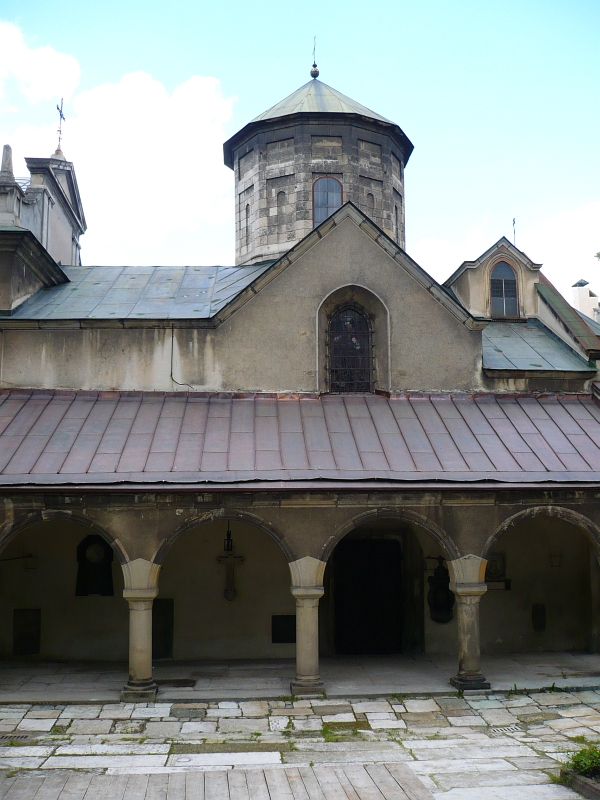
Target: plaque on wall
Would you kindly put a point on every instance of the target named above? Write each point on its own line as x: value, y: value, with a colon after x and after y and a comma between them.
x: 94, y: 567
x: 439, y: 598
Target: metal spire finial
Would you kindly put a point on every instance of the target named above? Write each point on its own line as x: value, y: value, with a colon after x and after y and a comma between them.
x: 314, y: 73
x: 61, y: 118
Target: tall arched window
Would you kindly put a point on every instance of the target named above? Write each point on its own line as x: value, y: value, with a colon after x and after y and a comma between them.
x: 504, y: 291
x: 280, y: 200
x: 350, y: 351
x: 370, y: 204
x: 327, y: 197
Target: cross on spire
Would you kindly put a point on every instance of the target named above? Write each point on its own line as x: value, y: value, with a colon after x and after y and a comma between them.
x: 314, y: 73
x: 61, y: 118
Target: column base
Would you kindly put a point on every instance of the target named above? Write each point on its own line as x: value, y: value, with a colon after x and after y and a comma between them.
x: 307, y: 691
x: 477, y: 681
x: 139, y: 692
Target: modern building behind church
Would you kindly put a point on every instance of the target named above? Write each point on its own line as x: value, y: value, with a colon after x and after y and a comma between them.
x: 319, y: 450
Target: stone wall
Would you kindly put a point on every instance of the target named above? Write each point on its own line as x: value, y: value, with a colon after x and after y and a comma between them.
x: 290, y: 157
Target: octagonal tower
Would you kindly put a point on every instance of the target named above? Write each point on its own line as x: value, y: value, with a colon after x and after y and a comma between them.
x: 281, y: 157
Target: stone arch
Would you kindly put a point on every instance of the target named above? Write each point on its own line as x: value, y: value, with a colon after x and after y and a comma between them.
x: 379, y: 318
x: 223, y: 514
x: 591, y: 530
x: 448, y: 547
x: 10, y: 529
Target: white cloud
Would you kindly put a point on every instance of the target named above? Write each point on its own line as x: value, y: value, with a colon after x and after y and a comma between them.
x: 149, y: 164
x: 564, y: 243
x: 40, y: 73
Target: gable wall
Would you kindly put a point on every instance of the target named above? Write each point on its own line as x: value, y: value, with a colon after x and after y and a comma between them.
x: 269, y: 344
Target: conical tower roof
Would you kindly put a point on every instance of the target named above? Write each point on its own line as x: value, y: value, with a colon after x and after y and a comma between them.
x: 316, y: 97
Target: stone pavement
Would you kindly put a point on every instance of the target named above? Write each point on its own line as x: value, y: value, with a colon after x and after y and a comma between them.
x: 504, y: 746
x: 353, y: 676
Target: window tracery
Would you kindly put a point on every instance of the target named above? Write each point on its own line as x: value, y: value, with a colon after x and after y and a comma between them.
x: 327, y: 197
x: 503, y: 291
x: 350, y: 351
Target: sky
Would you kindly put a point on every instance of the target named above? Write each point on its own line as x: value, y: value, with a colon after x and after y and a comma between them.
x: 500, y: 99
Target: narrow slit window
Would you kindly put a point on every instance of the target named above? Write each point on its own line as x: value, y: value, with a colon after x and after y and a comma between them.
x: 350, y: 351
x: 247, y: 226
x: 504, y: 291
x: 327, y: 197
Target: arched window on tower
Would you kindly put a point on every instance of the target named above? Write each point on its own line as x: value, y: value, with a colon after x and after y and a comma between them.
x: 247, y: 226
x: 370, y: 204
x: 280, y: 201
x: 504, y: 291
x: 350, y: 351
x: 327, y: 197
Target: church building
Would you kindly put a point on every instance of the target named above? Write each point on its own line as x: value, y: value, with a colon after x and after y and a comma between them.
x: 317, y: 451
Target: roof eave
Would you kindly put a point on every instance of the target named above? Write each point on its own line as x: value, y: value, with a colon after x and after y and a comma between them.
x: 394, y: 130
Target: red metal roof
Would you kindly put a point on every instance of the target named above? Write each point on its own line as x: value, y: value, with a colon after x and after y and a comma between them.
x: 50, y: 438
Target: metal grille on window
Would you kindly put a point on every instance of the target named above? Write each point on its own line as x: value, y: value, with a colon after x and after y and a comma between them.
x: 504, y: 291
x: 350, y: 351
x: 327, y: 197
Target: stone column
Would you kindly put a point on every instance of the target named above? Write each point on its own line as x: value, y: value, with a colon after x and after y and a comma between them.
x: 307, y: 588
x: 467, y: 576
x: 141, y: 579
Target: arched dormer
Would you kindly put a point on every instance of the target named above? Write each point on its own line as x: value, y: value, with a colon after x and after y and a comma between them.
x: 500, y: 284
x: 503, y: 291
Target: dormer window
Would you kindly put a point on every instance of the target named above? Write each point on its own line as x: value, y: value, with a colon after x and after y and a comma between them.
x: 327, y: 197
x: 504, y: 291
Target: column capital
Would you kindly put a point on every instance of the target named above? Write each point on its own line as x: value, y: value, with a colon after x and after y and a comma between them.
x: 469, y: 569
x: 141, y: 575
x: 307, y: 592
x: 307, y: 571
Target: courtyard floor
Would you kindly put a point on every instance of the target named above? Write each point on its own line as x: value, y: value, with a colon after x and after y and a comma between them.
x: 501, y: 746
x: 398, y: 735
x: 32, y: 681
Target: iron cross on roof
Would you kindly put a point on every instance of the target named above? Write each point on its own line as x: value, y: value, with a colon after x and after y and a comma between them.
x: 61, y: 118
x: 230, y: 560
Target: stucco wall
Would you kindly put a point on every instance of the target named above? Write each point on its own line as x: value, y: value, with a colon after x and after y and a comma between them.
x: 269, y: 344
x: 72, y: 627
x: 207, y: 625
x: 506, y: 616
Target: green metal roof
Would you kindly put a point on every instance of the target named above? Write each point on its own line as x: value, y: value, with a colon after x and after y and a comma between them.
x: 316, y: 96
x: 576, y: 326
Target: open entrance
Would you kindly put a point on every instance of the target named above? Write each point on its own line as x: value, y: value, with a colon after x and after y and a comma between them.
x: 373, y: 602
x: 543, y: 584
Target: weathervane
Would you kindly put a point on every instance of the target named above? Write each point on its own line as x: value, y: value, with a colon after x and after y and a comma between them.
x: 314, y: 73
x: 61, y: 118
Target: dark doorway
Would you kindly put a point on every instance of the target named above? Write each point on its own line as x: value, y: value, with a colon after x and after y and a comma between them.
x: 163, y: 623
x: 368, y: 607
x: 27, y: 631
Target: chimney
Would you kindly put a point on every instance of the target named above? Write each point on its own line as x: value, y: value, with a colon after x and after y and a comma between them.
x: 6, y: 173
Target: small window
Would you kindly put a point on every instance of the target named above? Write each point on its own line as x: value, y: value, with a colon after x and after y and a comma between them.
x: 350, y: 351
x: 280, y: 200
x: 327, y: 197
x: 370, y: 203
x: 396, y: 223
x: 504, y: 291
x: 247, y: 226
